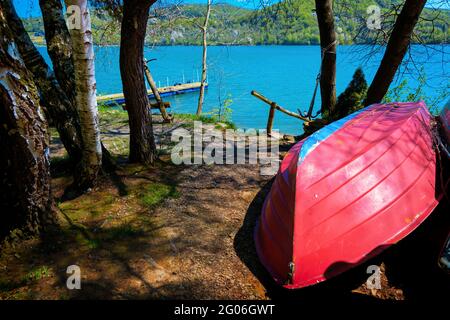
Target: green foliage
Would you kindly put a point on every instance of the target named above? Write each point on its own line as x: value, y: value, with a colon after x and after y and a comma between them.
x: 398, y: 92
x: 405, y: 92
x: 286, y: 22
x: 352, y: 98
x: 223, y: 112
x: 37, y: 274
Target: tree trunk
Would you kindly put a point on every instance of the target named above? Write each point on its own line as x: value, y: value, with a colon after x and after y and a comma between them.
x: 59, y: 45
x: 85, y: 87
x: 134, y: 25
x: 25, y: 195
x: 204, y: 65
x: 395, y: 51
x: 59, y: 48
x: 325, y: 19
x: 59, y: 108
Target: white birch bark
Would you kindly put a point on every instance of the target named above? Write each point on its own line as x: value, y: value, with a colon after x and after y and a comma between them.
x: 79, y: 24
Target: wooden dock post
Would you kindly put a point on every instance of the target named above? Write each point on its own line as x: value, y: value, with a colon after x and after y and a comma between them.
x: 270, y: 119
x: 162, y: 105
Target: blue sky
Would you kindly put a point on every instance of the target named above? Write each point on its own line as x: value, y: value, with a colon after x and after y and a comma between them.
x: 27, y: 8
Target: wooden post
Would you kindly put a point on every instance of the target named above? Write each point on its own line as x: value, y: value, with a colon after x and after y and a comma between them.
x: 276, y: 106
x: 152, y: 84
x: 270, y: 119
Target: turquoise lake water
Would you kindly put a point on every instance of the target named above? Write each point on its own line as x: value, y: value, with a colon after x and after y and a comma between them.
x: 285, y: 74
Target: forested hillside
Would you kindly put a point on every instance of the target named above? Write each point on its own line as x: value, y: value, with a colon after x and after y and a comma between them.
x: 287, y: 22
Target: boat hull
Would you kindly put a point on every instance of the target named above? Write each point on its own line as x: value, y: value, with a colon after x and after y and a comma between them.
x: 348, y: 192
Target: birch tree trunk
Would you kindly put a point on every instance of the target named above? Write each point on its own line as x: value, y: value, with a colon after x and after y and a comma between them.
x: 60, y: 50
x: 25, y: 193
x: 395, y: 51
x: 59, y: 45
x: 325, y: 19
x: 59, y: 109
x: 85, y: 86
x: 204, y: 65
x: 134, y: 25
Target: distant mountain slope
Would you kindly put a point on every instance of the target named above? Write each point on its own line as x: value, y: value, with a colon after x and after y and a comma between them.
x: 287, y: 22
x: 294, y: 22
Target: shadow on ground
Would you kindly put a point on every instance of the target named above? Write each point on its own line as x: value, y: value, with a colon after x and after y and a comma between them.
x: 410, y: 265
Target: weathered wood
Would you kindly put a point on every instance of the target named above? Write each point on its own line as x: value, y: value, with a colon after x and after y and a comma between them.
x: 161, y: 105
x: 270, y: 119
x: 151, y: 83
x: 158, y: 105
x: 279, y: 108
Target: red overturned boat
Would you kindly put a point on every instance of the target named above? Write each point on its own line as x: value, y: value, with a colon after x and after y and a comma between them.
x: 347, y: 192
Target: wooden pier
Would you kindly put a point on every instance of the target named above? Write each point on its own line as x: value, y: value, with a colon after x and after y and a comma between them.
x: 118, y: 98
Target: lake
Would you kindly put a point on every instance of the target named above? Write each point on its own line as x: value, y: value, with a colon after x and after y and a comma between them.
x: 284, y: 74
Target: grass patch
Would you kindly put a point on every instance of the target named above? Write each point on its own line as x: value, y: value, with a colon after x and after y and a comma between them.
x: 110, y: 115
x: 121, y: 232
x: 35, y: 274
x: 38, y: 274
x: 95, y: 239
x: 155, y: 193
x: 6, y: 285
x: 53, y: 132
x: 88, y: 206
x: 104, y: 109
x: 194, y: 117
x: 205, y: 119
x: 86, y: 240
x: 117, y: 145
x: 19, y: 296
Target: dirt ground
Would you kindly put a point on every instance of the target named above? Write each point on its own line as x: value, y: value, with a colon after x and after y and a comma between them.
x: 186, y: 232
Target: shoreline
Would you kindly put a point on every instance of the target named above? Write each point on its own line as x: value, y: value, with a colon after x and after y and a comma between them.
x: 150, y: 46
